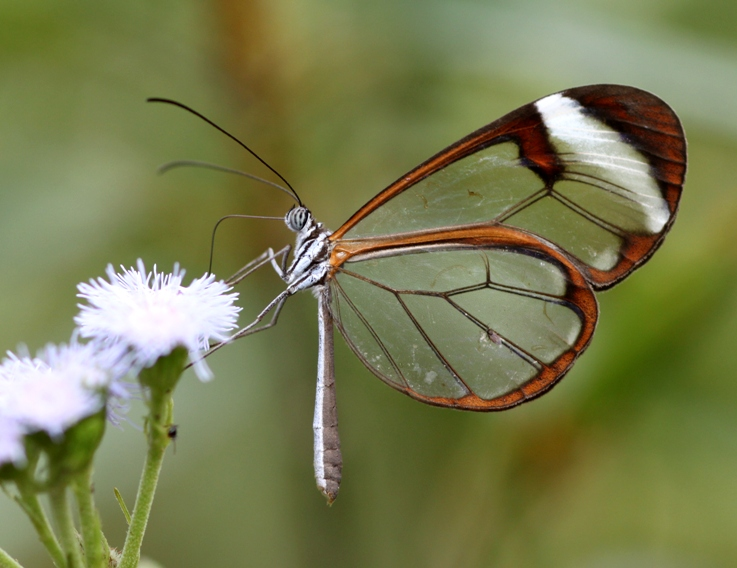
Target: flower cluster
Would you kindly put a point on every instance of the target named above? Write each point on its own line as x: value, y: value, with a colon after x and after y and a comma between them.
x: 129, y: 322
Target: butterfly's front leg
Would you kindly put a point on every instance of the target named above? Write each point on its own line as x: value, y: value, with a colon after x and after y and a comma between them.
x: 268, y: 256
x: 280, y: 269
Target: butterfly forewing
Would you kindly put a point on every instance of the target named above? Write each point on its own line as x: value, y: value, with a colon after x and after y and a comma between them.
x: 479, y: 318
x: 597, y: 170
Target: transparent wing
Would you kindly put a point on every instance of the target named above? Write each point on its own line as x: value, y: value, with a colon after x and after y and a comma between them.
x: 596, y: 170
x: 479, y: 319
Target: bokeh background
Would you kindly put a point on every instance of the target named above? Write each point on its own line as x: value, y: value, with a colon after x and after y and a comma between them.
x: 630, y: 461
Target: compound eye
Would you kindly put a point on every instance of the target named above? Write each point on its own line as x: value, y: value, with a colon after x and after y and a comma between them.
x: 296, y: 219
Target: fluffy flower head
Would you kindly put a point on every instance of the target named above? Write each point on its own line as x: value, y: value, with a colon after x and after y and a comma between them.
x: 56, y: 389
x: 152, y: 313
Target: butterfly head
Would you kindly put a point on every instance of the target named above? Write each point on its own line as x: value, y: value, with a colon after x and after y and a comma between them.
x: 297, y: 218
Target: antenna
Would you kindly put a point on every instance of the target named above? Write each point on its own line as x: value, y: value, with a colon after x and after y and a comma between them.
x: 229, y: 135
x: 197, y: 164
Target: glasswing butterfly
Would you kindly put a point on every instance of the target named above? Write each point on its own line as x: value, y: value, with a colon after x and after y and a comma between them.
x: 469, y: 282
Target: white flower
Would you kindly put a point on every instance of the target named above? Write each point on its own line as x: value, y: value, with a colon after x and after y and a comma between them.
x: 56, y: 389
x: 51, y: 401
x: 152, y: 313
x: 97, y: 367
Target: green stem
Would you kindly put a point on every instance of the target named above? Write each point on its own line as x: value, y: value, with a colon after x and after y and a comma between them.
x: 7, y: 561
x: 158, y: 420
x: 97, y: 550
x: 29, y: 502
x: 63, y: 517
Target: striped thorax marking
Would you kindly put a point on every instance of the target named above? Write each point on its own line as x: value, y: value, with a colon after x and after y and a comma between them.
x: 310, y: 265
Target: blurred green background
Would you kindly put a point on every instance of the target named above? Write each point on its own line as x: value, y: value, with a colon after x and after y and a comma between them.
x: 630, y: 461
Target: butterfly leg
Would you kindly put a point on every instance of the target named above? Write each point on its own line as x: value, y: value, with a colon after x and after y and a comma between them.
x: 276, y: 305
x: 281, y: 270
x: 269, y: 256
x: 328, y: 460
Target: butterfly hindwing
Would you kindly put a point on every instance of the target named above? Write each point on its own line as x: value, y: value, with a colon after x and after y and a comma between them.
x: 478, y: 318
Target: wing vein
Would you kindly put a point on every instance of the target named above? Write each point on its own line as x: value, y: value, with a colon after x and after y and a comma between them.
x: 523, y: 204
x: 371, y: 330
x: 432, y: 345
x: 589, y: 216
x: 494, y: 336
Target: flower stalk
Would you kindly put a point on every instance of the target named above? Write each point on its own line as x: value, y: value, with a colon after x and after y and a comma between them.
x: 62, y: 512
x: 7, y: 561
x: 160, y: 380
x: 97, y: 550
x: 28, y: 499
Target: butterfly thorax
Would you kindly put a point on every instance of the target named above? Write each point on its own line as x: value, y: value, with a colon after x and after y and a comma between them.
x: 310, y: 264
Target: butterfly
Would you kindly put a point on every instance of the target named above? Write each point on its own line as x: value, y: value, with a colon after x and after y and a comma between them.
x: 470, y: 282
